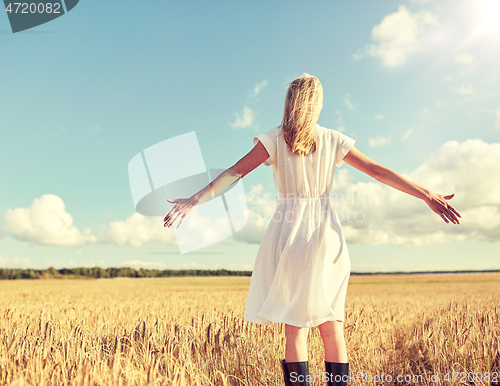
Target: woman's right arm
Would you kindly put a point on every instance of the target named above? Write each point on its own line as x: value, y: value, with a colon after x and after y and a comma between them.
x: 389, y: 177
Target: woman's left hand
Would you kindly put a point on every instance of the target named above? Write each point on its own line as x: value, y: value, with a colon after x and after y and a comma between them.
x: 184, y: 207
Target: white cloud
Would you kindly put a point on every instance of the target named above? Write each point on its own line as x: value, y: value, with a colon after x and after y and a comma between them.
x: 245, y: 120
x: 390, y: 216
x: 348, y: 104
x: 203, y: 230
x: 407, y: 134
x: 464, y: 59
x: 71, y: 264
x: 45, y: 222
x: 398, y: 36
x: 446, y: 79
x: 430, y: 113
x: 16, y: 262
x: 258, y: 88
x: 260, y: 208
x: 241, y: 267
x: 467, y: 89
x: 143, y: 264
x: 379, y: 141
x: 374, y: 213
x: 137, y: 230
x: 497, y: 118
x: 467, y: 62
x: 359, y: 55
x: 339, y: 122
x: 379, y: 116
x: 424, y: 112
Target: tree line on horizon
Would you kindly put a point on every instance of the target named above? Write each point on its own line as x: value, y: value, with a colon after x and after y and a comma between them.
x: 109, y: 273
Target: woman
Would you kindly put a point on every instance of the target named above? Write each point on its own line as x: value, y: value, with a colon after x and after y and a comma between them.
x: 302, y: 267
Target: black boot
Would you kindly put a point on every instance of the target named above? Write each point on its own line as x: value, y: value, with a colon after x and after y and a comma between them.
x: 295, y: 373
x: 338, y: 373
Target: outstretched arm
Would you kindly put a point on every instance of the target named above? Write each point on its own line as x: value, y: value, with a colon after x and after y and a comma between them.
x: 240, y: 169
x: 185, y: 206
x: 389, y: 177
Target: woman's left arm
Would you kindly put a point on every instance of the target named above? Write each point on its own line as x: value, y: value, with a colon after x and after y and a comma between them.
x: 185, y: 206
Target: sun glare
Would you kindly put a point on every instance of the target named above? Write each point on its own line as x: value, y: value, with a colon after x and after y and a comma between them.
x: 490, y: 14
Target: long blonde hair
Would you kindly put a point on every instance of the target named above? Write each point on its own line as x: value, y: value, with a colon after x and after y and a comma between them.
x: 303, y: 103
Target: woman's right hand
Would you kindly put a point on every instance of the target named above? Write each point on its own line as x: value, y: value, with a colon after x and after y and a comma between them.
x: 438, y: 204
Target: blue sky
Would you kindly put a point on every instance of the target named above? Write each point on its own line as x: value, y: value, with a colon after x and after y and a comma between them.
x: 414, y: 82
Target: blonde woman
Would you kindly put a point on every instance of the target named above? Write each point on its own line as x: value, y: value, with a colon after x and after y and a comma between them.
x: 302, y: 267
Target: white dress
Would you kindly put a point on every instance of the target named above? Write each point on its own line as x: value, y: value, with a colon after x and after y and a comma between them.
x: 303, y: 266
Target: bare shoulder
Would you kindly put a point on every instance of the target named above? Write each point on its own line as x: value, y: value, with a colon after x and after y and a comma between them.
x: 362, y: 162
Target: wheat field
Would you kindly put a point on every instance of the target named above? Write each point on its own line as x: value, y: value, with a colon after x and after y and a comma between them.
x: 190, y: 331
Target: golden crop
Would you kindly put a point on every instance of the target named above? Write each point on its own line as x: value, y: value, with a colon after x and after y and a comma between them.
x: 190, y: 331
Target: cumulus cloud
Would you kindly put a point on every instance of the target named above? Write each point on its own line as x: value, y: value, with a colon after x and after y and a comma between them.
x: 241, y: 266
x: 45, y: 222
x: 379, y: 141
x: 260, y: 208
x: 467, y: 89
x: 339, y: 121
x: 16, y: 262
x: 464, y: 59
x: 430, y: 113
x: 407, y: 134
x: 374, y: 213
x: 391, y: 216
x: 136, y: 230
x: 143, y: 264
x: 398, y: 36
x: 467, y: 62
x: 371, y: 212
x: 258, y: 88
x: 72, y: 264
x: 348, y: 104
x: 423, y: 113
x: 245, y: 120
